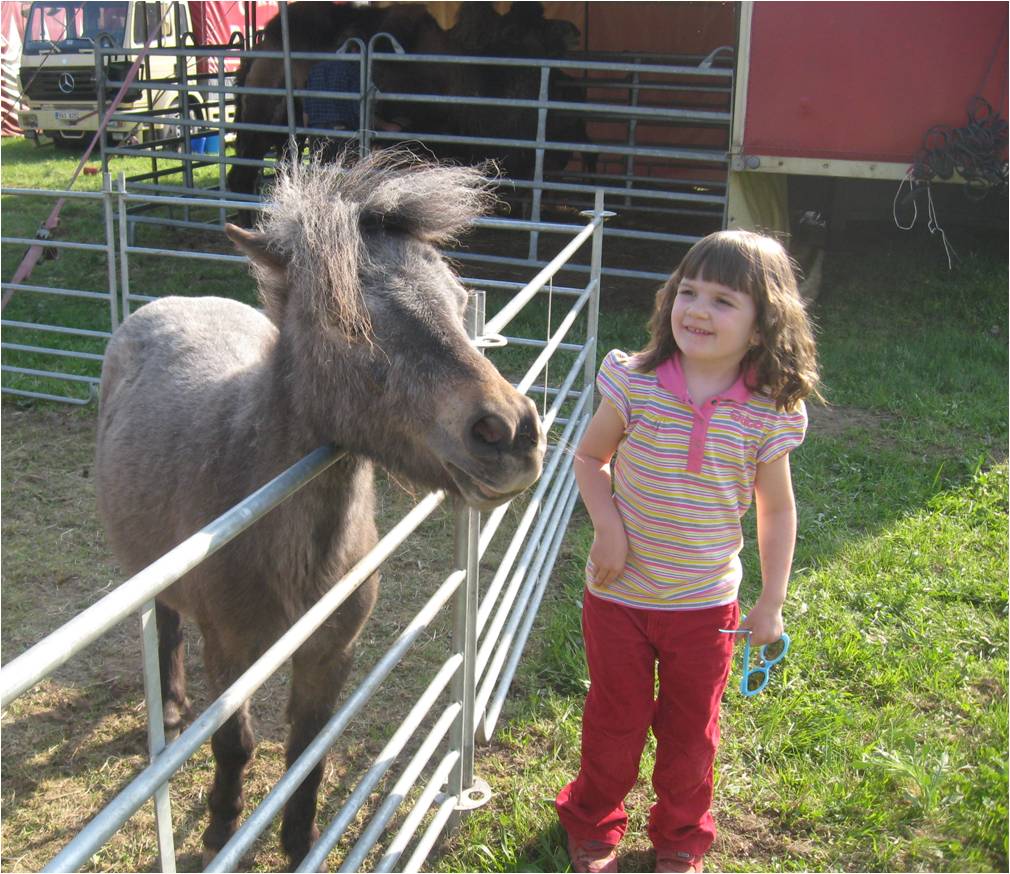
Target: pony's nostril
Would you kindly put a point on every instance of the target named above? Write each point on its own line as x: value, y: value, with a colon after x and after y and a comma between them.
x: 491, y: 430
x: 529, y: 429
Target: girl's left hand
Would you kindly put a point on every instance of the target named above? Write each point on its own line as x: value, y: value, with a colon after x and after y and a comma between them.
x: 764, y: 623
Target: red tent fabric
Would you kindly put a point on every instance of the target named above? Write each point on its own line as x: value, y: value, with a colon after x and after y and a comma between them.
x: 12, y: 32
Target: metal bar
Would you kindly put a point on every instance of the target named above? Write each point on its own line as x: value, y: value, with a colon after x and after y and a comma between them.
x: 124, y: 245
x: 174, y: 253
x: 512, y: 285
x: 63, y: 292
x: 617, y: 110
x: 593, y: 317
x: 222, y: 174
x: 156, y: 734
x: 110, y: 248
x: 540, y: 344
x: 55, y: 329
x: 41, y: 350
x: 289, y: 96
x: 447, y: 807
x: 52, y: 244
x: 538, y: 161
x: 466, y: 539
x: 191, y: 201
x: 230, y: 855
x: 56, y: 193
x: 703, y: 156
x: 47, y: 397
x: 52, y: 651
x: 50, y: 374
x: 568, y: 63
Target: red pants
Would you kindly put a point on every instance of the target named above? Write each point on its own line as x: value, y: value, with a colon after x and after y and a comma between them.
x: 623, y: 645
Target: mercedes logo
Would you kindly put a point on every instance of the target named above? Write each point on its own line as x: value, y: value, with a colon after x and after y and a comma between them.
x: 66, y: 83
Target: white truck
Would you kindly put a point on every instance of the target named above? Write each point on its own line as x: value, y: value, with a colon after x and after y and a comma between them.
x: 58, y: 74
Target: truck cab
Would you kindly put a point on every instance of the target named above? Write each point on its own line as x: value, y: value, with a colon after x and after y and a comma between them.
x: 58, y: 74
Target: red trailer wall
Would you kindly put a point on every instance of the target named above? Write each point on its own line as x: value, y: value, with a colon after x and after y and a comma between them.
x: 865, y: 81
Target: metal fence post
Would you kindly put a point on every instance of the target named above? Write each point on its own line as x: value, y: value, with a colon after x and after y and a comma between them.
x: 289, y: 97
x: 538, y: 164
x: 464, y: 635
x: 124, y: 242
x: 595, y: 279
x: 222, y: 113
x: 110, y: 248
x: 156, y: 734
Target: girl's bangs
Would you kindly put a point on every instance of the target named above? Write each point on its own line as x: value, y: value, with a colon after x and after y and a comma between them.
x: 725, y: 258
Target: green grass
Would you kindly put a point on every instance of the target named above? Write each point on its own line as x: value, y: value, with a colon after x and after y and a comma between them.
x: 882, y: 742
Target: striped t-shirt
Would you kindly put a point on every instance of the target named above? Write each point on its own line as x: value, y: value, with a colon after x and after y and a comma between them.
x: 683, y: 478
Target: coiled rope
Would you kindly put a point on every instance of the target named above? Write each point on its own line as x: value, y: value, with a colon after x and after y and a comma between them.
x: 975, y: 152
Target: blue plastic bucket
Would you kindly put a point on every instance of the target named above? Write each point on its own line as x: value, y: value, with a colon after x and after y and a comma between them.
x: 198, y: 145
x: 212, y: 144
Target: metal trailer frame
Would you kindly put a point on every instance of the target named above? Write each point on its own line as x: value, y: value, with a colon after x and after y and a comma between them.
x: 488, y: 638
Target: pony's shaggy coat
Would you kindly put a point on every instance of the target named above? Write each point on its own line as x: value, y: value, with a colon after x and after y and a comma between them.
x: 205, y: 399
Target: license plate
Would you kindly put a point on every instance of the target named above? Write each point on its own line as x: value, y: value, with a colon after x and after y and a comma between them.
x: 67, y: 115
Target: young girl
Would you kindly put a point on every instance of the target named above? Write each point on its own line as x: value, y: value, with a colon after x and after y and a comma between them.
x: 701, y: 420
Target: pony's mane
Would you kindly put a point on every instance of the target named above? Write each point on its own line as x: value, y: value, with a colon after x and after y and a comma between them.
x: 319, y: 213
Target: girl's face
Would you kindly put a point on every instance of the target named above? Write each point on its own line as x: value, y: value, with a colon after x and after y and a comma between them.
x: 712, y: 323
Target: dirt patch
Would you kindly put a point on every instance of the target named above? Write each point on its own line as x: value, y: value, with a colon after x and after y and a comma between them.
x: 837, y: 421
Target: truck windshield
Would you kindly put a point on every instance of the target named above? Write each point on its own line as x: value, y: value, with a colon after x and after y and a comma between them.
x: 73, y: 26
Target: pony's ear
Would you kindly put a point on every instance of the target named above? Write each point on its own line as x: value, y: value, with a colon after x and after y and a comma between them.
x: 255, y: 246
x: 268, y: 266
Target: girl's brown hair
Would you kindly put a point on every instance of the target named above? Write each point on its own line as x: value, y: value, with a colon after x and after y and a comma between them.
x: 784, y: 363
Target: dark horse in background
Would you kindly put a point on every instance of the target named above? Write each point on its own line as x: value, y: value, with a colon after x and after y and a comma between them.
x: 522, y: 32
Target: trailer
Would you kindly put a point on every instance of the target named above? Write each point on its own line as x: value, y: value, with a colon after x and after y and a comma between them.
x: 837, y: 104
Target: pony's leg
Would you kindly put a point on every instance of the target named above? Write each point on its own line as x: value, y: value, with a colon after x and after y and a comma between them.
x: 171, y: 660
x: 319, y: 671
x: 233, y: 744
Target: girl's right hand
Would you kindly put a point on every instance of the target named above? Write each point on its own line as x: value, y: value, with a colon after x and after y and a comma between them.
x: 608, y: 554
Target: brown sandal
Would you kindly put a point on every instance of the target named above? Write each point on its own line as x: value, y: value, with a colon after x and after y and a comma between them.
x: 678, y: 862
x: 592, y: 856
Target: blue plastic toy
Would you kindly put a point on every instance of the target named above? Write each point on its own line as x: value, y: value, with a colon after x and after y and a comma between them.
x: 756, y: 677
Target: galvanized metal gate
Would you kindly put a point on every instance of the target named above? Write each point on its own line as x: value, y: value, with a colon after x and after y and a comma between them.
x: 652, y: 132
x: 491, y: 623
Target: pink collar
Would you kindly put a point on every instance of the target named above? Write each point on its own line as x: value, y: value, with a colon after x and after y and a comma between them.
x: 671, y: 377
